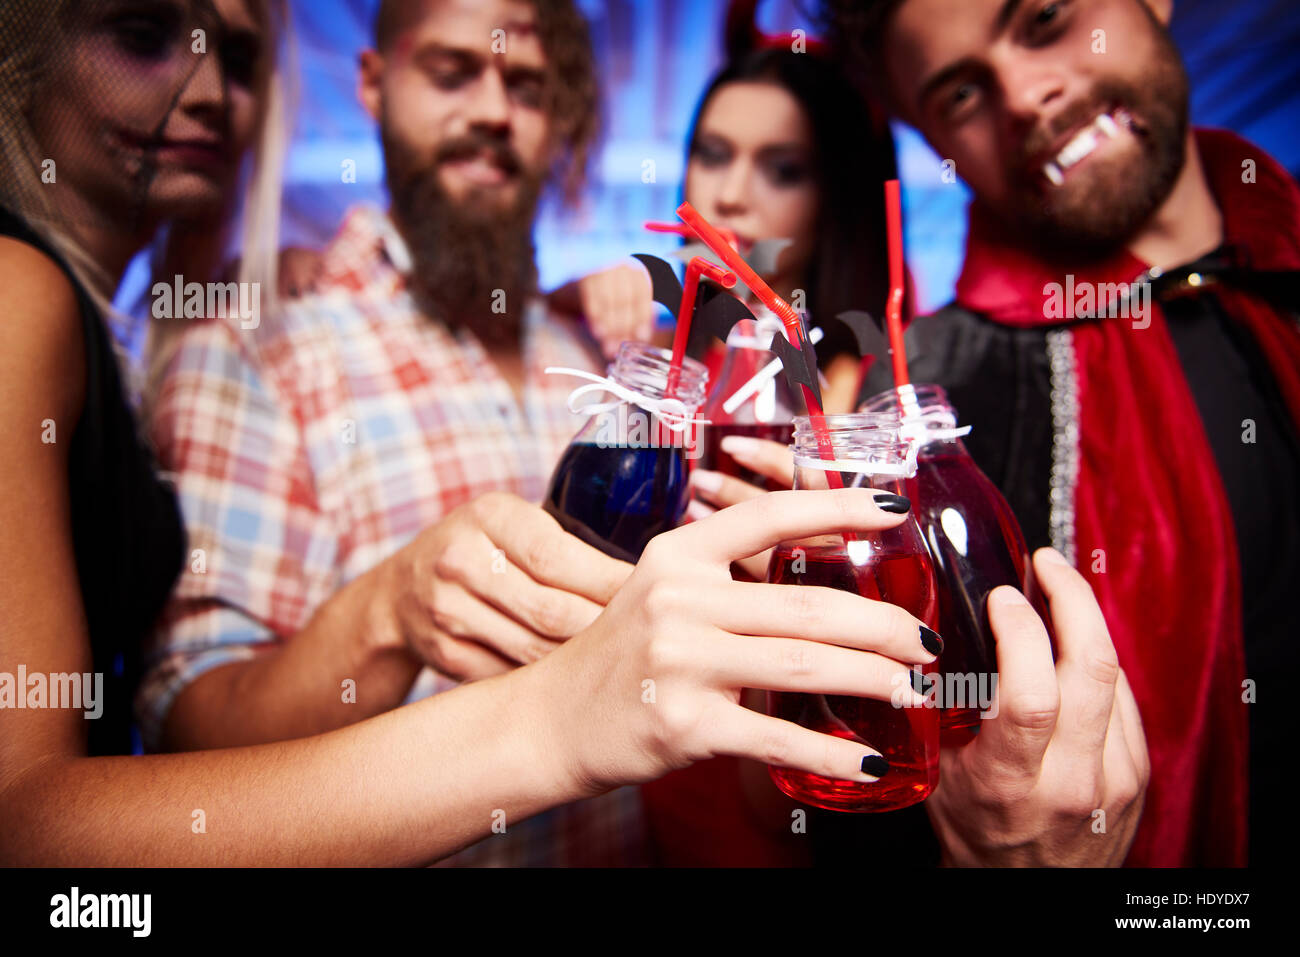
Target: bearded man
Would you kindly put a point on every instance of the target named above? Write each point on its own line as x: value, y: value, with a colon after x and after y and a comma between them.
x: 1124, y: 341
x: 358, y: 474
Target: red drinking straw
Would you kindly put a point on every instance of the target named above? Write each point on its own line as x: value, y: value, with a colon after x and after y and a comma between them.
x: 682, y: 230
x: 793, y: 322
x: 894, y: 303
x: 894, y: 306
x: 697, y: 267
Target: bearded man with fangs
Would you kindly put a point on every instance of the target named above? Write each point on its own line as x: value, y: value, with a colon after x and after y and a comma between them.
x: 1145, y: 423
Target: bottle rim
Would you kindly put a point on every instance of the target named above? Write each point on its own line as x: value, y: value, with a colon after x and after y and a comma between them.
x: 926, y: 403
x: 643, y: 368
x: 846, y: 423
x: 867, y: 442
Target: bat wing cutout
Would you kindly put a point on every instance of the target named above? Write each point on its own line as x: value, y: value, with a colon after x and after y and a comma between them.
x: 866, y: 332
x: 717, y: 316
x: 798, y: 365
x: 764, y: 254
x: 665, y: 287
x: 919, y: 340
x: 689, y: 251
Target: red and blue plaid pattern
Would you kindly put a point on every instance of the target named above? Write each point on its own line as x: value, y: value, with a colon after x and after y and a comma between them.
x: 310, y: 449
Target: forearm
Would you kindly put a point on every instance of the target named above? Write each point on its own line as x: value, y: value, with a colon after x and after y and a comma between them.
x: 406, y: 787
x: 347, y: 664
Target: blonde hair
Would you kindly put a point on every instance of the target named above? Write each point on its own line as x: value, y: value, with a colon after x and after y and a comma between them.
x: 25, y: 42
x: 259, y: 213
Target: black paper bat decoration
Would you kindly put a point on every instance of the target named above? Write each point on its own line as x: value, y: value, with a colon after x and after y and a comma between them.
x: 716, y: 317
x: 919, y: 340
x: 866, y: 332
x: 798, y: 365
x: 665, y: 287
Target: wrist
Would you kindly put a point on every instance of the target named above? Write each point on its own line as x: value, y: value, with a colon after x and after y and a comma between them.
x: 555, y: 728
x: 380, y: 635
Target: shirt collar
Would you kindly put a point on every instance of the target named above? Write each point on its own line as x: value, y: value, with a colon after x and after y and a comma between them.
x: 393, y: 245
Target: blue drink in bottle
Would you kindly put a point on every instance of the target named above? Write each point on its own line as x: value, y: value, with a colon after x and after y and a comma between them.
x: 623, y: 479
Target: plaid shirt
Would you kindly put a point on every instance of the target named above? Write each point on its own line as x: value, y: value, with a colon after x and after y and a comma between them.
x: 312, y: 448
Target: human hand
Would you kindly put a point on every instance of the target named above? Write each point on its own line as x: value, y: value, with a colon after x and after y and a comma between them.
x: 1066, y: 742
x: 713, y: 490
x: 299, y: 269
x: 496, y: 584
x: 617, y: 304
x: 655, y: 682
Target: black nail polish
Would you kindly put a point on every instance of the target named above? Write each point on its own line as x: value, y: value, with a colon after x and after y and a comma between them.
x: 889, y: 502
x: 931, y: 641
x: 875, y: 765
x: 918, y: 682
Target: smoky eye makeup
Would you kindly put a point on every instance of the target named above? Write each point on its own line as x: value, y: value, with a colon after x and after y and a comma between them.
x: 241, y: 54
x: 711, y: 151
x: 786, y: 172
x: 785, y: 167
x: 146, y: 30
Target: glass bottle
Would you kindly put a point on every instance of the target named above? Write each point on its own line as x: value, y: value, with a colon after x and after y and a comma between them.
x: 975, y: 544
x: 767, y: 413
x: 623, y: 478
x: 892, y: 566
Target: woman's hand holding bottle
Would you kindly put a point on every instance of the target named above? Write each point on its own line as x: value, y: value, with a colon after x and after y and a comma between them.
x: 654, y: 683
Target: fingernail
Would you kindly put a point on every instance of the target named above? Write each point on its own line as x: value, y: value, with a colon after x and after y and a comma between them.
x: 918, y: 682
x: 1006, y: 595
x: 931, y: 641
x: 697, y: 510
x: 889, y: 502
x: 706, y: 481
x: 1053, y: 557
x: 740, y: 447
x: 875, y: 765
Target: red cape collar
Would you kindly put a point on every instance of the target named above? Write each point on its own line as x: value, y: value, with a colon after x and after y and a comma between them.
x: 1259, y: 201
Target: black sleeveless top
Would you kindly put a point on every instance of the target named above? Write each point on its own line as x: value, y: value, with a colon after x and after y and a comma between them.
x: 126, y: 527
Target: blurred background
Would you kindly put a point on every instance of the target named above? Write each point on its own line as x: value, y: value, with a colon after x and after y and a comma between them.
x: 656, y: 57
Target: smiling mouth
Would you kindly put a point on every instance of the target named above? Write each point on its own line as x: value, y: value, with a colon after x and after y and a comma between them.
x: 199, y: 152
x: 1105, y: 126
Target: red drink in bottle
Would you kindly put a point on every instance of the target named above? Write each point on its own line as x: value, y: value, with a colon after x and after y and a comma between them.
x: 712, y: 456
x: 975, y: 544
x: 623, y: 478
x: 766, y: 413
x: 892, y: 566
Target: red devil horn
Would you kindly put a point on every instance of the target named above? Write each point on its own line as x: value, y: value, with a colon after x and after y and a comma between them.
x: 741, y: 31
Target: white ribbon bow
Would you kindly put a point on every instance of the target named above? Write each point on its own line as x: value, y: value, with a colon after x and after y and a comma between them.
x: 673, y: 413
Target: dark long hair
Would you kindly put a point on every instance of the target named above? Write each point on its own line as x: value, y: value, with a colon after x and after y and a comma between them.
x: 853, y: 155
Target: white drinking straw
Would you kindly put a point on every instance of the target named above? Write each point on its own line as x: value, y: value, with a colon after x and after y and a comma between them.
x: 765, y: 374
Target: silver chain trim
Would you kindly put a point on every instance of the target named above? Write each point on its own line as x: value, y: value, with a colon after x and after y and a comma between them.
x: 1065, y: 441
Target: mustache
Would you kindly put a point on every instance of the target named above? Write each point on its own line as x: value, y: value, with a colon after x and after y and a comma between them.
x: 498, y: 151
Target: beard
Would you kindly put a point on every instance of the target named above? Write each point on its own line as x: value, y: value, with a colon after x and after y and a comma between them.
x: 1099, y: 208
x: 473, y: 260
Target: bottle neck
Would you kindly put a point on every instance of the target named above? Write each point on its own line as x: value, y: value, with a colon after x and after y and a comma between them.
x: 647, y: 371
x: 865, y: 449
x: 768, y: 403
